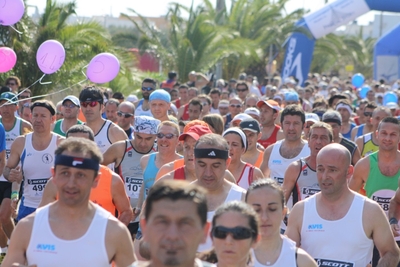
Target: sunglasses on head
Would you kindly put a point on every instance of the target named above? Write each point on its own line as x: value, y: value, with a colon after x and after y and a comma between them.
x: 168, y: 136
x: 126, y: 115
x: 238, y: 233
x: 89, y: 103
x: 235, y: 106
x: 147, y: 89
x: 367, y: 114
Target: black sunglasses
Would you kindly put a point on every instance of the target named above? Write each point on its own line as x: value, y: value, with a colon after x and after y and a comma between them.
x: 168, y: 136
x: 367, y: 114
x: 126, y: 115
x: 241, y: 90
x: 238, y: 233
x: 148, y: 89
x: 235, y: 106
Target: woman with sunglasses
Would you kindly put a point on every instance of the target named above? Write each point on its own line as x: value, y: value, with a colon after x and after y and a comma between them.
x: 234, y: 233
x: 243, y: 172
x: 274, y: 249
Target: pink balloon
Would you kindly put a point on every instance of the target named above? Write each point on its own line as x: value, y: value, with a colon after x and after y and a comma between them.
x: 103, y: 68
x: 11, y: 11
x: 8, y: 58
x: 50, y: 56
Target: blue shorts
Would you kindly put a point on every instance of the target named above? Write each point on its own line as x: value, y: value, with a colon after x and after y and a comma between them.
x: 24, y: 211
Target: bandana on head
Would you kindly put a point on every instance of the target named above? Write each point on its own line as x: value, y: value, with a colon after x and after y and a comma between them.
x: 146, y: 125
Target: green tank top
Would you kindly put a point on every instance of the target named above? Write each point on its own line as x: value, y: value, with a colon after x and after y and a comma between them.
x: 57, y: 127
x: 369, y: 145
x: 379, y: 187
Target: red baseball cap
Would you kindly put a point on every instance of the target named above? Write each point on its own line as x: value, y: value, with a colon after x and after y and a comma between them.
x: 195, y: 131
x: 270, y: 103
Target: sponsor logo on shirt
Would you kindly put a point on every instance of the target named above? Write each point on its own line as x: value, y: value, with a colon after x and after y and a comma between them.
x: 276, y: 161
x: 46, y: 248
x: 315, y: 228
x: 333, y: 263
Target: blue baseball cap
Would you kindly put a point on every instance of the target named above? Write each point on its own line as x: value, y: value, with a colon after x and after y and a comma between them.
x: 291, y: 97
x: 160, y: 94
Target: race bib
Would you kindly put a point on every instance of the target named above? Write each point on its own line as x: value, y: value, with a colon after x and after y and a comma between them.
x: 279, y: 180
x: 132, y: 187
x: 332, y: 263
x: 308, y: 192
x: 36, y: 187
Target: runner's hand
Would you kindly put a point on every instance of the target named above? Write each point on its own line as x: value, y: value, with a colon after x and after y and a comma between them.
x: 395, y: 229
x: 15, y: 175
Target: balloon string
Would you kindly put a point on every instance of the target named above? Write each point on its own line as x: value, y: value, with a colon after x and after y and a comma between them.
x: 40, y: 96
x: 40, y: 79
x: 15, y: 29
x: 43, y: 83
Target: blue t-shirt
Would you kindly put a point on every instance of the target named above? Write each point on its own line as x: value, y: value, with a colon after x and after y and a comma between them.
x: 2, y: 138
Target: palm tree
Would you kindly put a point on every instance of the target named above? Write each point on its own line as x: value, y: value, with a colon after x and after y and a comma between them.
x: 81, y: 41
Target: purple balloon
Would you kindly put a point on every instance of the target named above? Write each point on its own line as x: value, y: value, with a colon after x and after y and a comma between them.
x: 8, y: 58
x: 50, y: 56
x: 103, y: 68
x: 11, y: 11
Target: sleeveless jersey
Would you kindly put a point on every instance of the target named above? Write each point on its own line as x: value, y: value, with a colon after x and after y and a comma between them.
x: 150, y: 173
x: 235, y: 193
x: 131, y: 172
x: 214, y: 110
x: 102, y: 194
x: 360, y: 131
x: 167, y: 84
x: 178, y: 103
x: 179, y: 174
x: 272, y: 139
x: 101, y: 138
x: 11, y: 135
x: 348, y: 244
x: 348, y: 134
x: 36, y: 167
x: 185, y: 115
x: 287, y: 257
x: 140, y: 112
x: 259, y: 160
x: 379, y: 187
x: 369, y: 145
x: 278, y: 165
x: 350, y: 145
x: 58, y: 127
x: 306, y: 183
x: 45, y: 248
x: 228, y: 121
x: 246, y: 178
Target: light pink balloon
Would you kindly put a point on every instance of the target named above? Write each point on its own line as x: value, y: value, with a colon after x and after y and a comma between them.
x: 11, y: 11
x: 50, y: 56
x: 103, y: 68
x: 8, y: 58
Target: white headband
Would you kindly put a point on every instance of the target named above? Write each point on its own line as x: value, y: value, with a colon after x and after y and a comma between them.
x: 343, y: 105
x: 239, y: 132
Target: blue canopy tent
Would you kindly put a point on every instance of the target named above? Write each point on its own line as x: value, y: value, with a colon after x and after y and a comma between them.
x: 387, y: 56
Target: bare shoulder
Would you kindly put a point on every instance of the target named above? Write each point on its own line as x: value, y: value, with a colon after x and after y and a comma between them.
x: 362, y: 164
x: 59, y: 138
x: 116, y: 179
x: 168, y: 176
x: 304, y: 259
x: 19, y: 143
x: 116, y: 133
x: 115, y: 230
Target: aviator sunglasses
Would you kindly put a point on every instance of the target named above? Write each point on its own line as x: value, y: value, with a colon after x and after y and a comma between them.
x: 238, y: 233
x: 89, y: 103
x: 148, y: 89
x: 126, y: 115
x: 168, y: 136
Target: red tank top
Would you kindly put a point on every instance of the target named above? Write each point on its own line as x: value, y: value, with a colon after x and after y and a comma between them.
x: 271, y: 140
x: 179, y: 174
x: 185, y: 116
x: 178, y: 103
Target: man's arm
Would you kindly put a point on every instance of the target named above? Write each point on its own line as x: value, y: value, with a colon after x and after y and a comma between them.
x: 180, y: 112
x: 116, y: 134
x: 26, y: 127
x: 394, y: 208
x: 360, y: 175
x: 166, y: 168
x: 257, y: 174
x: 290, y: 178
x: 229, y: 177
x: 19, y: 243
x: 356, y: 156
x: 381, y: 234
x: 264, y: 165
x: 114, y: 153
x: 295, y: 222
x: 119, y: 244
x: 360, y: 144
x: 121, y: 200
x: 49, y: 193
x: 354, y: 133
x: 304, y: 259
x: 12, y: 171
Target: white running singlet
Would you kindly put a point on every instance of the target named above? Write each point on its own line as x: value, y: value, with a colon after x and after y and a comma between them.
x: 235, y: 193
x: 45, y: 249
x: 336, y: 243
x: 287, y: 257
x: 246, y: 177
x: 36, y: 167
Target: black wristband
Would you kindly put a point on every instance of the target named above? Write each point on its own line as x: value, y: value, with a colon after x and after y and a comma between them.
x: 393, y: 221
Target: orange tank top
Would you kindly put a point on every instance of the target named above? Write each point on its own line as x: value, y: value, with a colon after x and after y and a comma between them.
x: 259, y: 160
x: 101, y: 194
